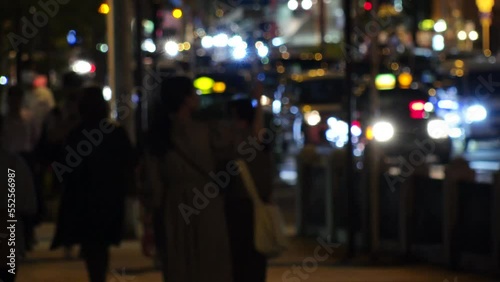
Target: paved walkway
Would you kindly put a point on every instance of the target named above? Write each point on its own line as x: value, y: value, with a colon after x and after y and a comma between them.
x: 297, y: 265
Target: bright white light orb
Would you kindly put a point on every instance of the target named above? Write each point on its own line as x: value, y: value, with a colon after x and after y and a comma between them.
x: 462, y: 35
x: 221, y: 40
x: 172, y: 48
x: 473, y: 35
x: 235, y: 41
x: 438, y: 42
x: 313, y: 118
x: 440, y: 26
x: 383, y: 131
x: 239, y: 53
x: 107, y: 94
x: 207, y: 42
x: 307, y: 4
x: 81, y: 67
x: 148, y: 45
x: 475, y: 113
x: 263, y: 51
x: 3, y: 80
x: 293, y: 5
x: 438, y: 129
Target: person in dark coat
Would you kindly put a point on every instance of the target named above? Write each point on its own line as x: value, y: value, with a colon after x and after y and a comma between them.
x: 95, y: 174
x: 196, y: 247
x: 248, y: 264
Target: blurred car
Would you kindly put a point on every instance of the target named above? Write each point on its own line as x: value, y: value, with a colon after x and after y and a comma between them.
x: 477, y: 82
x: 408, y: 126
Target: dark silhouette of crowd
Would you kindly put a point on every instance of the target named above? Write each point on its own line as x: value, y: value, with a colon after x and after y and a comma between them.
x: 201, y: 223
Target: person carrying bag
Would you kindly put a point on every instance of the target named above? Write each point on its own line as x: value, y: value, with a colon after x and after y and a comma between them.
x: 269, y: 228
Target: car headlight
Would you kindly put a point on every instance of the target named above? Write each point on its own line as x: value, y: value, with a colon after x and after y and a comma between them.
x: 313, y: 118
x: 475, y: 113
x: 383, y: 131
x: 438, y: 129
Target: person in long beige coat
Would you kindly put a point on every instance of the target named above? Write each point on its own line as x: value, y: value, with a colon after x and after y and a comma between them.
x: 197, y: 244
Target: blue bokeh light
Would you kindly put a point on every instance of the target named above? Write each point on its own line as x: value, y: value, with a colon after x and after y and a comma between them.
x: 71, y: 37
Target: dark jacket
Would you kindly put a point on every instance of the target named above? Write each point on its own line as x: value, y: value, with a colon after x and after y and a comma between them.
x: 93, y: 202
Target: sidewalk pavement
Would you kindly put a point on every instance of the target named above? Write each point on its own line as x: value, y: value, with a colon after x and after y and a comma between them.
x: 307, y: 260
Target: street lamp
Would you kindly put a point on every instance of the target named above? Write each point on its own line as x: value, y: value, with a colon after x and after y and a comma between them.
x: 485, y: 8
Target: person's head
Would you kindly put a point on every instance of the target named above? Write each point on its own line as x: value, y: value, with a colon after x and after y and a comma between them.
x: 15, y: 96
x: 92, y: 106
x: 242, y: 112
x: 177, y: 94
x: 71, y: 80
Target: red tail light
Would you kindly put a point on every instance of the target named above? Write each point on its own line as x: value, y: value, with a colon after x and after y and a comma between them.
x: 417, y: 110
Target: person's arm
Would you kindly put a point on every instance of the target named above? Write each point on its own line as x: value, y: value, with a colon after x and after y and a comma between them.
x: 26, y: 201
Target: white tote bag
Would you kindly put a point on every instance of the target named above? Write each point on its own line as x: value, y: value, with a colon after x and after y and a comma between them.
x: 269, y: 228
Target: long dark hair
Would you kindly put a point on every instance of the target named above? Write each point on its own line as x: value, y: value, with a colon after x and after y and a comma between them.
x: 169, y: 98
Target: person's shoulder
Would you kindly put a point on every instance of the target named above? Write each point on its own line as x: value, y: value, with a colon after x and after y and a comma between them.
x: 14, y: 161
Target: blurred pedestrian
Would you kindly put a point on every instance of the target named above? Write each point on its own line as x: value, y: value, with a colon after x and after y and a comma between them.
x: 197, y: 247
x: 39, y: 101
x: 50, y: 147
x: 248, y: 264
x: 92, y: 207
x: 19, y: 125
x: 19, y: 130
x: 25, y: 199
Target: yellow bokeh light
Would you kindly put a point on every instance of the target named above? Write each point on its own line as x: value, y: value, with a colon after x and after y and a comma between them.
x: 427, y: 24
x: 459, y: 64
x: 177, y: 13
x: 280, y: 69
x: 405, y: 79
x: 204, y: 84
x: 187, y: 46
x: 432, y: 92
x: 318, y: 56
x: 485, y: 6
x: 369, y: 133
x: 385, y: 81
x: 219, y: 87
x: 103, y: 9
x: 306, y: 109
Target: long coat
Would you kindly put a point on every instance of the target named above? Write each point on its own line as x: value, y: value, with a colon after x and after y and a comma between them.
x: 196, y: 231
x: 93, y: 201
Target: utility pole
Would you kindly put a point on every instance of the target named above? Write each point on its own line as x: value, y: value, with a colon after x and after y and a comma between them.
x: 139, y: 72
x: 349, y: 102
x: 373, y: 155
x: 120, y: 62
